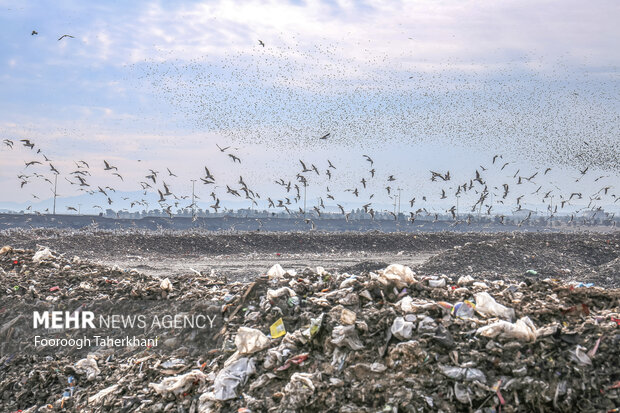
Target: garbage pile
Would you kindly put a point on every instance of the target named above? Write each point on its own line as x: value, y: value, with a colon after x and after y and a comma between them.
x: 389, y: 340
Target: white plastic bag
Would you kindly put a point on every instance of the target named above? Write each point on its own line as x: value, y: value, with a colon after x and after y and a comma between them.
x: 178, y: 384
x: 487, y: 306
x: 42, y: 255
x: 402, y: 329
x: 399, y: 274
x: 523, y: 330
x: 250, y: 340
x: 276, y: 272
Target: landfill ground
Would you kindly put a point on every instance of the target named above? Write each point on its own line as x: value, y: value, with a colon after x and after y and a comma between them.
x: 481, y: 322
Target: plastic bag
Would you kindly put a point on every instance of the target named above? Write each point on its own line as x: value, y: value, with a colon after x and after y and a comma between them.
x: 89, y: 367
x: 487, y: 306
x: 399, y: 274
x: 463, y: 374
x: 402, y: 329
x: 178, y: 384
x: 346, y: 336
x: 250, y: 340
x: 230, y: 377
x: 523, y: 330
x: 276, y: 272
x: 272, y: 294
x: 42, y: 255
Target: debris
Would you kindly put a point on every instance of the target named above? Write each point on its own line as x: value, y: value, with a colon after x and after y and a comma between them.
x: 487, y: 306
x: 250, y: 340
x: 523, y: 330
x: 231, y: 377
x: 42, y: 255
x: 178, y: 385
x: 277, y: 329
x: 366, y: 339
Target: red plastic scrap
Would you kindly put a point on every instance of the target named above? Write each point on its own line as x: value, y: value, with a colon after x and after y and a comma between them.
x: 55, y: 288
x: 617, y: 320
x: 298, y: 359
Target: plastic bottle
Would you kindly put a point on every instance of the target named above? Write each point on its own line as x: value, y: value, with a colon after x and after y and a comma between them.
x: 463, y: 309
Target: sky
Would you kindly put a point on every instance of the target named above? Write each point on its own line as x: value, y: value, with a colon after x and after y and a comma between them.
x: 418, y: 86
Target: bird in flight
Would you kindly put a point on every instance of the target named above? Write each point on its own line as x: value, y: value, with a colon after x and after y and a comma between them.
x: 65, y: 35
x: 368, y: 159
x: 234, y: 158
x: 27, y: 143
x: 325, y: 136
x: 221, y: 149
x: 34, y: 33
x: 261, y: 42
x: 8, y: 143
x: 108, y: 167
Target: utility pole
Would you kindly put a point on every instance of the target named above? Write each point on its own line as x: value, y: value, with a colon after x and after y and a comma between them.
x: 457, y: 207
x: 305, y: 185
x: 399, y: 194
x: 193, y: 199
x: 55, y: 183
x: 79, y: 209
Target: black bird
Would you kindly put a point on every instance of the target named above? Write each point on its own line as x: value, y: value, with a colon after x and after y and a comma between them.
x: 330, y: 164
x: 65, y: 35
x: 34, y: 33
x: 108, y: 167
x: 27, y: 143
x: 368, y: 159
x: 8, y: 143
x: 325, y: 136
x: 303, y: 165
x: 234, y: 158
x: 260, y: 42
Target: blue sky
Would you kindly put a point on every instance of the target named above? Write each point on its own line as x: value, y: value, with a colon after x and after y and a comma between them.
x: 416, y: 85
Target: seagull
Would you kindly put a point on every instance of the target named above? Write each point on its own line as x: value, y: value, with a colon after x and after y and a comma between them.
x: 54, y: 169
x: 27, y: 143
x: 170, y: 173
x: 108, y: 167
x: 221, y: 149
x: 368, y: 159
x: 32, y: 163
x: 234, y: 158
x: 65, y: 35
x: 325, y: 136
x: 8, y: 143
x: 260, y: 42
x: 330, y: 164
x: 34, y: 33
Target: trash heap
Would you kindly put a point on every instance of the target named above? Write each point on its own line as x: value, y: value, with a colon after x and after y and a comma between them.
x: 390, y: 340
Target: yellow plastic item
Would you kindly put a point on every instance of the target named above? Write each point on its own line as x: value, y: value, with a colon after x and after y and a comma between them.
x: 277, y: 329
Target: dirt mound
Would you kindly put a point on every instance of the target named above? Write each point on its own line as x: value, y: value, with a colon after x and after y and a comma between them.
x: 386, y: 340
x: 550, y: 255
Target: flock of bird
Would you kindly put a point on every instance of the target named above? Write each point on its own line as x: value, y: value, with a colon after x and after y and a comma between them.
x: 291, y: 197
x: 259, y: 93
